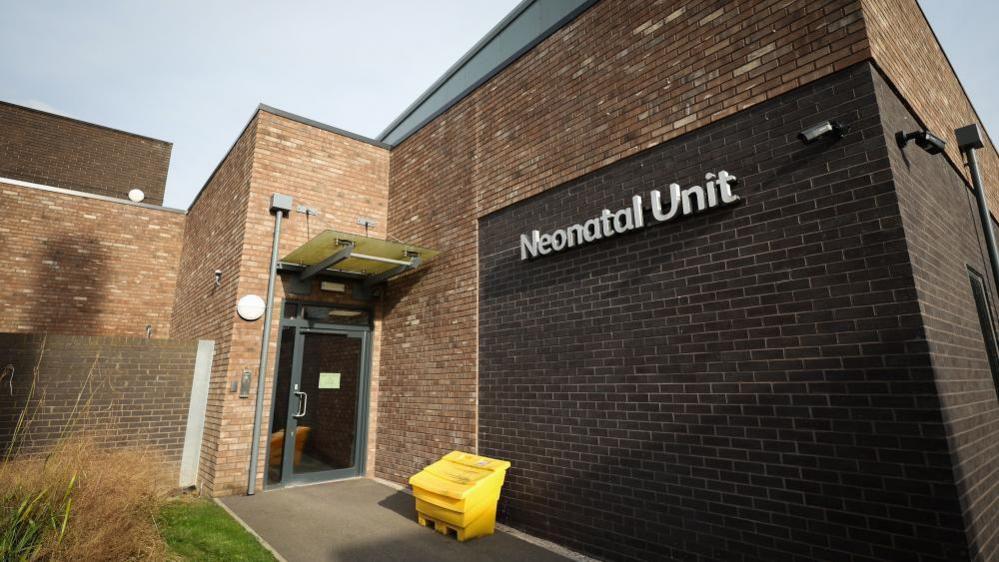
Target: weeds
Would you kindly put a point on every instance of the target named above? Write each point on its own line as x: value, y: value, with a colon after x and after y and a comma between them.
x: 23, y: 530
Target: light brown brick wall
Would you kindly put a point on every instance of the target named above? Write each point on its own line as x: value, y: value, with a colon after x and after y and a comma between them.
x: 54, y: 150
x: 213, y: 240
x: 231, y: 228
x: 343, y: 179
x: 904, y: 47
x: 78, y: 265
x: 622, y: 77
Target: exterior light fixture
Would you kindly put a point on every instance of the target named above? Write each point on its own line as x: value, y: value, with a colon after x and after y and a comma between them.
x: 831, y: 129
x: 136, y: 196
x: 926, y: 140
x: 343, y: 313
x: 333, y: 287
x: 250, y: 308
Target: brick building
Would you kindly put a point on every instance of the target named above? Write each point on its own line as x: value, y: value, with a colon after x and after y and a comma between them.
x: 789, y: 355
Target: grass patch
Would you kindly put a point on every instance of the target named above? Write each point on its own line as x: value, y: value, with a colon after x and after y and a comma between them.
x: 197, y: 529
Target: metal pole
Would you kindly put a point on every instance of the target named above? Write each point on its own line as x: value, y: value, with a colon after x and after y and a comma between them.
x: 280, y: 204
x: 969, y: 139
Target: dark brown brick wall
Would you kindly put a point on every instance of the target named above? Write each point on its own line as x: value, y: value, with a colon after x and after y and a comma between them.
x: 620, y: 78
x: 58, y: 151
x: 78, y: 265
x: 945, y: 238
x: 748, y: 384
x: 133, y: 392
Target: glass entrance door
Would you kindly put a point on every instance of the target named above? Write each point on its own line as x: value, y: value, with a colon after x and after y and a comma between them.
x: 319, y: 422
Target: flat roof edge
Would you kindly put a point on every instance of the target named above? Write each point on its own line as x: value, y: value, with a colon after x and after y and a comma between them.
x: 218, y: 166
x: 461, y: 62
x: 87, y: 195
x: 87, y: 123
x: 287, y: 115
x: 475, y: 50
x: 329, y: 128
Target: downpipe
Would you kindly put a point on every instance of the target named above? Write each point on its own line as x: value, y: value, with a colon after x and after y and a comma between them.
x: 969, y: 139
x: 280, y: 208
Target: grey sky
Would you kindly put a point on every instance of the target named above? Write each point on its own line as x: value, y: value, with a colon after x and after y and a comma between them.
x: 192, y: 71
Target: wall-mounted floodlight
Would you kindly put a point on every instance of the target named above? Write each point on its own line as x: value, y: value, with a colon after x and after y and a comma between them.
x: 831, y: 129
x: 926, y: 140
x: 136, y: 196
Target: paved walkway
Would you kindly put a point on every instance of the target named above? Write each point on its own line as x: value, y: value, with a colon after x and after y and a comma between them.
x: 362, y: 520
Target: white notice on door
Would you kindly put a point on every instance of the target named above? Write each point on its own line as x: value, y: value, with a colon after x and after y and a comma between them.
x: 329, y: 380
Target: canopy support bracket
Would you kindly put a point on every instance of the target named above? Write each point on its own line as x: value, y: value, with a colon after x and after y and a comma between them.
x: 344, y: 253
x: 414, y: 262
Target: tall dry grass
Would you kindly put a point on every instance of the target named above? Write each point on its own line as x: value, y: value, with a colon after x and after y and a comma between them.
x: 87, y: 501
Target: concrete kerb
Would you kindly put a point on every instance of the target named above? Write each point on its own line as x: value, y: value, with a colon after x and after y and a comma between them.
x: 260, y: 539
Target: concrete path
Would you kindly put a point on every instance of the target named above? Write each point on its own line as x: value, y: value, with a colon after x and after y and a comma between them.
x: 364, y: 521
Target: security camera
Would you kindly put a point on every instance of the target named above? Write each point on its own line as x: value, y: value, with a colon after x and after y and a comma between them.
x: 926, y: 140
x: 832, y: 129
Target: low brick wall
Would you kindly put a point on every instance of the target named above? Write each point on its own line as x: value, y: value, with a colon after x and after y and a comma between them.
x: 123, y: 391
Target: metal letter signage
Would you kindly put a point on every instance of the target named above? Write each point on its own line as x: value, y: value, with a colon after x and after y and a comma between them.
x: 665, y: 207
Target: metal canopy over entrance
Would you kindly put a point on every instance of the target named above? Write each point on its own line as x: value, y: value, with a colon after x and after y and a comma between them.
x: 359, y: 257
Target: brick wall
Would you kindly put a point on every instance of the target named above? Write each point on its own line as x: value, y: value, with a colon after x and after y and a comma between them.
x: 77, y: 265
x: 944, y: 238
x: 58, y: 151
x: 916, y: 66
x: 343, y: 179
x: 620, y: 78
x: 213, y: 240
x: 133, y: 392
x: 749, y: 384
x: 230, y: 228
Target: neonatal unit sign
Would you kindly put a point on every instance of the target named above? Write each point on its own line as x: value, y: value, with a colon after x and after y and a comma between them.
x: 716, y: 192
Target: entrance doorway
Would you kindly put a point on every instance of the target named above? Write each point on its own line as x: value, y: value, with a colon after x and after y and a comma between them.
x: 319, y: 418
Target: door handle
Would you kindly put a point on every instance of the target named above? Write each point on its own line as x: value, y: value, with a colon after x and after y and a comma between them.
x: 303, y: 404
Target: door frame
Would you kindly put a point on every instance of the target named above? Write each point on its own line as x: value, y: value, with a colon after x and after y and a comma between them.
x: 301, y: 327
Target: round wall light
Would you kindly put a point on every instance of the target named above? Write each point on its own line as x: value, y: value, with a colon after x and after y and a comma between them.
x: 136, y: 196
x: 250, y: 307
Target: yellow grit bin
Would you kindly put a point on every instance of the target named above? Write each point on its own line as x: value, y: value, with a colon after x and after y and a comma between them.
x: 459, y: 493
